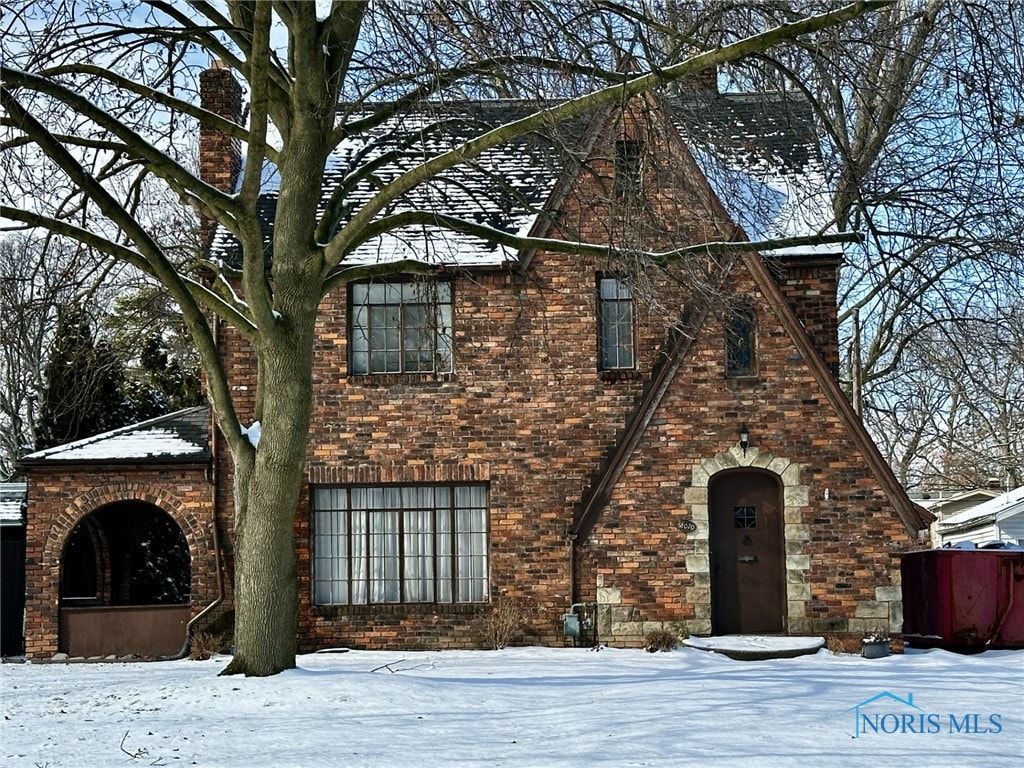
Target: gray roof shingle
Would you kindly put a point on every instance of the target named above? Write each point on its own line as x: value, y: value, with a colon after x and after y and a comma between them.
x: 12, y: 504
x: 759, y: 153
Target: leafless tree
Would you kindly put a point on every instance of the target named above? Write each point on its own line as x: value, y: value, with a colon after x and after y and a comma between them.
x: 921, y: 109
x: 954, y: 418
x: 37, y: 277
x: 94, y: 94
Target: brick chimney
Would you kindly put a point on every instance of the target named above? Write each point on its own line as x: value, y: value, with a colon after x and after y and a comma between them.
x: 220, y: 156
x: 810, y: 285
x: 704, y: 81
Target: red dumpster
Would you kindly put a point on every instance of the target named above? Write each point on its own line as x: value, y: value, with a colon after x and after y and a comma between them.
x: 963, y: 599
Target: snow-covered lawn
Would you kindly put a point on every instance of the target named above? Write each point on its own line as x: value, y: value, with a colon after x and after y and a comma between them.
x: 523, y: 707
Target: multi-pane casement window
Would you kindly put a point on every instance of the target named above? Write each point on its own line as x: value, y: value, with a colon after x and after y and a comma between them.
x: 400, y: 544
x: 401, y: 327
x: 741, y: 342
x: 615, y: 319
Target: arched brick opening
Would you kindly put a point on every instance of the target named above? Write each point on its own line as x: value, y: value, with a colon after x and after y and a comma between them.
x: 125, y: 583
x: 126, y: 553
x: 43, y: 611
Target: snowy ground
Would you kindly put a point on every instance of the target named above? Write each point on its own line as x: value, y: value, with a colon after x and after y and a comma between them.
x: 523, y: 707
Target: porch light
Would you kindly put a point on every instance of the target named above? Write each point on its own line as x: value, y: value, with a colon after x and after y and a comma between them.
x: 744, y: 438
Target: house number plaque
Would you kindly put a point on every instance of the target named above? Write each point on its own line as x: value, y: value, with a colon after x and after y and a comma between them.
x: 687, y: 526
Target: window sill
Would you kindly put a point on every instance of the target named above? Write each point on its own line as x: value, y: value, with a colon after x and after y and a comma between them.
x: 619, y: 374
x: 398, y: 609
x: 390, y: 379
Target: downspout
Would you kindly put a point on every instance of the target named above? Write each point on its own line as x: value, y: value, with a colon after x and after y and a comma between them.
x: 219, y: 564
x: 570, y: 538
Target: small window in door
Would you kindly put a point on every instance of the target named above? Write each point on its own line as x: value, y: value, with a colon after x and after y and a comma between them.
x: 745, y: 517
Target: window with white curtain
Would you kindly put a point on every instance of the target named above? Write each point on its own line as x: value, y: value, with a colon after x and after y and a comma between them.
x: 400, y: 544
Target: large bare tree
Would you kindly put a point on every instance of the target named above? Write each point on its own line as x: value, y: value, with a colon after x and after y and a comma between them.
x: 95, y: 96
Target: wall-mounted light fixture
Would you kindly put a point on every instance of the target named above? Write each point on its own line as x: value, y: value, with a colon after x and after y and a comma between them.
x: 744, y: 438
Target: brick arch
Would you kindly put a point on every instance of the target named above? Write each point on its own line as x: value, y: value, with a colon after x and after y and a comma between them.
x: 101, y: 496
x: 795, y: 497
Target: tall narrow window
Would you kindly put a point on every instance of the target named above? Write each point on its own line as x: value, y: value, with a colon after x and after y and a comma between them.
x: 401, y: 327
x: 615, y: 316
x: 628, y: 167
x: 740, y: 342
x: 400, y: 544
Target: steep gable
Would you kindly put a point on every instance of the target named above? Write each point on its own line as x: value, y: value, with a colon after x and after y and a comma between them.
x: 773, y: 187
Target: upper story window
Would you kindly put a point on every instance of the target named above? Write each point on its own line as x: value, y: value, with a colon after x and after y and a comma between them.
x: 400, y: 544
x: 401, y: 327
x: 615, y: 318
x: 741, y: 342
x: 629, y: 156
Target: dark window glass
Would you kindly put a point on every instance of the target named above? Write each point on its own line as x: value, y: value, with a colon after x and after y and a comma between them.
x: 615, y: 305
x: 628, y: 167
x: 740, y: 343
x: 401, y: 327
x: 745, y: 517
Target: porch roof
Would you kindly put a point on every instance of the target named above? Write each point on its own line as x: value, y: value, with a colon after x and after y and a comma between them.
x: 1001, y: 507
x: 179, y: 437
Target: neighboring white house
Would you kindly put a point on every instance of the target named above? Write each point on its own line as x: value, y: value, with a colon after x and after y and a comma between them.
x: 998, y: 519
x: 946, y: 503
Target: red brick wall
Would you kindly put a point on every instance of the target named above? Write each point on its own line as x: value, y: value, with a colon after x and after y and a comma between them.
x: 853, y: 535
x: 810, y: 285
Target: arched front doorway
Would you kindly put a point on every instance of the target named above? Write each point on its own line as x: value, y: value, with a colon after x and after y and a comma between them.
x: 748, y: 554
x: 125, y: 583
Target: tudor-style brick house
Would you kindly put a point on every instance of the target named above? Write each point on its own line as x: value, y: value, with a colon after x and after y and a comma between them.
x: 550, y: 427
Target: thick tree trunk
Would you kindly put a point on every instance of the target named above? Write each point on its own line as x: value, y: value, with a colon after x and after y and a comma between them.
x: 267, y: 484
x: 266, y: 600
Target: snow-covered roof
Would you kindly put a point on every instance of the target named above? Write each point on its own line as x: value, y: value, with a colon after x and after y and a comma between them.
x: 179, y: 436
x: 12, y: 497
x: 1009, y: 503
x: 760, y: 155
x: 505, y: 188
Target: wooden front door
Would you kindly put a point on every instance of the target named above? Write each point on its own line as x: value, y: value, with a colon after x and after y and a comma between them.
x: 748, y: 585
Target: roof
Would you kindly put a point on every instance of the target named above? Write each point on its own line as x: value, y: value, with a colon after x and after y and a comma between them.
x: 760, y: 155
x: 942, y: 503
x: 12, y: 501
x: 1001, y: 507
x: 505, y: 188
x: 182, y: 436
